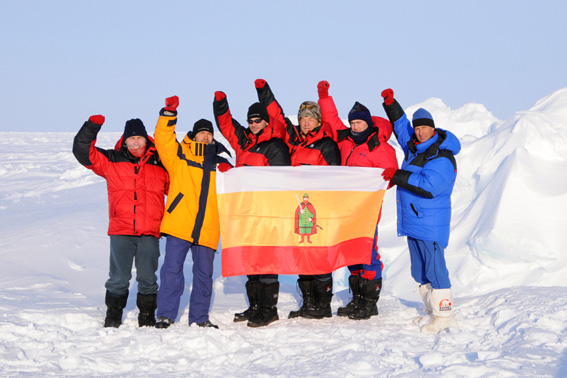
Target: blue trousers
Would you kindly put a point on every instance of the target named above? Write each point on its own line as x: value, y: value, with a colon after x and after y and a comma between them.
x: 372, y: 271
x: 428, y: 263
x: 124, y: 251
x: 172, y: 280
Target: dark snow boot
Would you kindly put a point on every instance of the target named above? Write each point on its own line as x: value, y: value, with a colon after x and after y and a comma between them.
x: 306, y: 292
x: 322, y: 295
x: 355, y: 282
x: 115, y: 305
x: 207, y: 324
x: 253, y: 292
x: 268, y: 311
x: 163, y: 322
x: 370, y: 293
x: 147, y: 305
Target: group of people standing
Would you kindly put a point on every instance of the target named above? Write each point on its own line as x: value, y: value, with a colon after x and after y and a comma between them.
x: 141, y: 171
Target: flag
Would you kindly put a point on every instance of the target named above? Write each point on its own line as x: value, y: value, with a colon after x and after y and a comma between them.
x: 297, y: 220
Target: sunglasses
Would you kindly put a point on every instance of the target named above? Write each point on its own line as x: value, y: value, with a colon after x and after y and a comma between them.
x: 257, y: 120
x: 307, y: 106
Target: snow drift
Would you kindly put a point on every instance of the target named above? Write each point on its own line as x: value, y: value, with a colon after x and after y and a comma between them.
x: 505, y: 257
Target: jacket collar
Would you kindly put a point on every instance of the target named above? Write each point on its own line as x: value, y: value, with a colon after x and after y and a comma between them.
x: 372, y: 141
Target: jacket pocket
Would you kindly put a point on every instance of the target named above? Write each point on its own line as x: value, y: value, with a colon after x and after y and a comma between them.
x: 175, y: 203
x: 417, y: 210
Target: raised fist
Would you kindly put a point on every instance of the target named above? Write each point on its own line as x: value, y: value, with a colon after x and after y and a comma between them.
x: 260, y: 83
x: 171, y: 103
x: 323, y: 89
x: 98, y: 119
x: 388, y: 95
x: 219, y: 95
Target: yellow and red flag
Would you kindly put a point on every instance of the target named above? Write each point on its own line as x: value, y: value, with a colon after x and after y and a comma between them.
x: 297, y: 220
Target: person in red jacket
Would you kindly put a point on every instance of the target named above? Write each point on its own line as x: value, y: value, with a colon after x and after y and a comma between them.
x: 364, y: 144
x: 258, y: 145
x: 137, y: 184
x: 310, y: 143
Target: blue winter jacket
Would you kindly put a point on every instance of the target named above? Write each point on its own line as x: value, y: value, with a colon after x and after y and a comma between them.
x: 425, y: 181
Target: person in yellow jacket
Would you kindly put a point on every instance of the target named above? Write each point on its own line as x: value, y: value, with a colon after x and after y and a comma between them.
x: 191, y: 219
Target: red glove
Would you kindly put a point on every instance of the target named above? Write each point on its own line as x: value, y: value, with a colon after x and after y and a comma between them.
x: 259, y: 83
x: 171, y: 103
x: 389, y: 173
x: 98, y: 119
x: 323, y: 89
x: 388, y: 95
x: 223, y: 167
x: 219, y: 95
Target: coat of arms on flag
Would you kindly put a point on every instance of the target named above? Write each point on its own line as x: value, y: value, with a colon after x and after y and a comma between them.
x: 297, y: 220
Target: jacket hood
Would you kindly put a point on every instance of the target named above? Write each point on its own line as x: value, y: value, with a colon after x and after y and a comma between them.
x: 220, y: 148
x: 450, y: 142
x: 150, y: 147
x: 318, y: 133
x: 267, y: 133
x: 385, y: 128
x: 442, y: 140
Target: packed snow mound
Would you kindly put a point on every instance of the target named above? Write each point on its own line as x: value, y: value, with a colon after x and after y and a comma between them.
x: 470, y: 120
x: 509, y: 201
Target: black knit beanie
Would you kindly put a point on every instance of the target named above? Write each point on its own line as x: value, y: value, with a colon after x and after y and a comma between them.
x: 203, y: 125
x: 257, y: 110
x: 360, y: 111
x: 134, y: 127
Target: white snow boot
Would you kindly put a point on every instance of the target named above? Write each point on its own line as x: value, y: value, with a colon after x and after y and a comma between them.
x: 441, y: 302
x: 424, y: 293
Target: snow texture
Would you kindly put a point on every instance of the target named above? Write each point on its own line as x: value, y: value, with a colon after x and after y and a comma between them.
x: 506, y: 259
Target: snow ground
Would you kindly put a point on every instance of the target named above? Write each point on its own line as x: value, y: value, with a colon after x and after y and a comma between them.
x: 506, y: 259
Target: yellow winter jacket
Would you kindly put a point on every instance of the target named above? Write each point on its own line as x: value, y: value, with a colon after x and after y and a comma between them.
x: 191, y: 210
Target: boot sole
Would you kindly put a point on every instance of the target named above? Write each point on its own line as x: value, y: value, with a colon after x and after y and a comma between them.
x: 239, y: 320
x: 146, y: 325
x: 256, y: 325
x: 316, y: 317
x: 362, y: 318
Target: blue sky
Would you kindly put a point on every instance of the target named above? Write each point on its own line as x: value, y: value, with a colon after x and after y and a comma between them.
x: 63, y: 61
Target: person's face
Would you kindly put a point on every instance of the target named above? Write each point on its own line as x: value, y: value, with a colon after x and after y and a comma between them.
x: 204, y: 137
x: 306, y: 124
x: 135, y: 142
x: 256, y: 125
x: 305, y: 199
x: 423, y: 133
x: 358, y: 125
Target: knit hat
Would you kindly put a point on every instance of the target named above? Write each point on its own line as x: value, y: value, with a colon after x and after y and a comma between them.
x: 134, y: 127
x: 422, y: 117
x: 203, y: 125
x: 257, y: 110
x: 360, y: 111
x: 309, y: 109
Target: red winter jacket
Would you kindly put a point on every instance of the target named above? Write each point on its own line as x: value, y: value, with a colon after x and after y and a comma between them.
x: 317, y: 148
x: 136, y: 187
x: 263, y: 149
x: 375, y: 152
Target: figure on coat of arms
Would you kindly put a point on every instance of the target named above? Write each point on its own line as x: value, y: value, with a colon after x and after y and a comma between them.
x: 305, y: 219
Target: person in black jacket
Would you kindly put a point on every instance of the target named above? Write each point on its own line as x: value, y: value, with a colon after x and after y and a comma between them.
x: 257, y: 145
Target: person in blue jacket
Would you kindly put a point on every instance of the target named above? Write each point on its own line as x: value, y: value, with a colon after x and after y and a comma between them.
x: 425, y: 183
